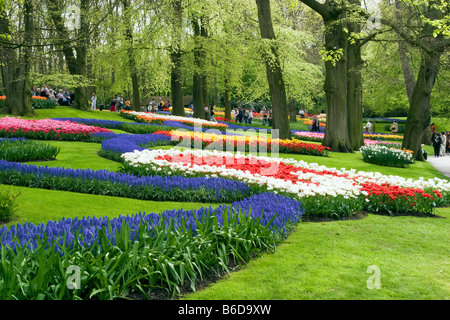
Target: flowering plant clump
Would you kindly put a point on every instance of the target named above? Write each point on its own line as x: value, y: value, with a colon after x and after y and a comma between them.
x: 42, y: 103
x: 161, y: 118
x: 245, y: 143
x: 386, y: 156
x: 46, y: 129
x: 166, y: 250
x: 22, y: 150
x: 293, y: 178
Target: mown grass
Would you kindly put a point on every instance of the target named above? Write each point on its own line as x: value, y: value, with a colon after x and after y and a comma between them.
x: 40, y: 206
x: 69, y: 112
x: 78, y: 155
x: 329, y: 261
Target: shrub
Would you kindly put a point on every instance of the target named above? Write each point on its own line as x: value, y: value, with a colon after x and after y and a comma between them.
x: 43, y: 103
x: 22, y: 150
x: 386, y: 156
x: 7, y: 205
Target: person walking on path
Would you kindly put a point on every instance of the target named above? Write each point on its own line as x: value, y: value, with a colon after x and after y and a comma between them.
x: 437, y: 141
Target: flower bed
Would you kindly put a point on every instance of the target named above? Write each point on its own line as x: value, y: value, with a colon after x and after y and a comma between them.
x: 244, y: 143
x: 46, y: 129
x: 36, y: 102
x: 161, y: 118
x: 386, y: 156
x: 104, y: 182
x: 297, y: 179
x: 150, y: 251
x: 368, y: 138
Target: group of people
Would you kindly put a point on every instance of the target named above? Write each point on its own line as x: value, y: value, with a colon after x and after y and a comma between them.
x: 441, y: 141
x: 370, y: 128
x: 62, y: 97
x: 119, y: 103
x: 245, y: 115
x: 209, y: 113
x: 153, y: 106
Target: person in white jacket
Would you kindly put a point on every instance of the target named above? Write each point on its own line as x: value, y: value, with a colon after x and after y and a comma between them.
x: 443, y: 144
x: 94, y: 102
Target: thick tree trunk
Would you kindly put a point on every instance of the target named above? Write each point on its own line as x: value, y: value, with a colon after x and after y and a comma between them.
x: 274, y: 74
x: 419, y: 113
x: 336, y: 133
x: 176, y: 58
x: 404, y: 59
x: 76, y: 64
x: 354, y: 96
x: 136, y: 99
x: 176, y: 85
x: 15, y: 66
x: 197, y: 87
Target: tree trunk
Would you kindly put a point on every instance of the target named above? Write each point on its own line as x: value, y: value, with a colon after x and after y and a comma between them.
x: 404, y: 59
x: 76, y: 64
x: 227, y: 101
x: 419, y: 113
x: 280, y: 112
x: 176, y: 85
x: 354, y: 96
x: 292, y: 110
x: 197, y: 89
x: 176, y: 58
x: 136, y: 99
x: 336, y: 133
x: 15, y: 65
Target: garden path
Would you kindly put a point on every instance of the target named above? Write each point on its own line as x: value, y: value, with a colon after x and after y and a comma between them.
x: 441, y: 163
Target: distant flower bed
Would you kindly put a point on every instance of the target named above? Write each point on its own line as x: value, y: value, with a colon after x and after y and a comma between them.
x: 36, y: 102
x: 161, y: 118
x: 46, y: 129
x: 375, y: 136
x: 246, y: 143
x: 370, y: 139
x: 386, y: 156
x: 22, y: 150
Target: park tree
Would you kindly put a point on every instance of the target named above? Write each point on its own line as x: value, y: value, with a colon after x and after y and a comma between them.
x: 176, y: 55
x: 424, y: 25
x: 343, y: 41
x: 16, y: 40
x: 129, y: 45
x: 274, y: 72
x: 74, y: 36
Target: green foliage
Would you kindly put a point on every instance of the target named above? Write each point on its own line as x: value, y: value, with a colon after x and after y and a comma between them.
x: 26, y: 150
x: 8, y: 205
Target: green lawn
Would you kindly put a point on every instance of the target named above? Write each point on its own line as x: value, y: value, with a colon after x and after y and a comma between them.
x: 69, y: 112
x: 39, y: 205
x: 329, y: 261
x: 325, y: 260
